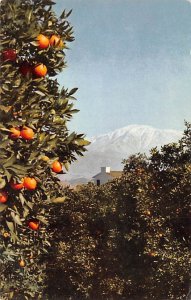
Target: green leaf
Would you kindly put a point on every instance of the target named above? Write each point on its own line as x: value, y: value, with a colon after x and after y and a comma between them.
x: 2, y: 183
x: 74, y: 111
x: 62, y: 16
x: 8, y: 175
x: 29, y: 14
x: 10, y: 161
x: 59, y: 200
x: 29, y: 204
x: 69, y: 13
x: 67, y: 166
x: 2, y: 207
x: 42, y: 219
x: 82, y: 142
x: 16, y: 218
x: 34, y: 43
x: 72, y: 91
x: 26, y: 212
x: 22, y: 198
x: 40, y: 93
x: 4, y: 129
x: 10, y: 226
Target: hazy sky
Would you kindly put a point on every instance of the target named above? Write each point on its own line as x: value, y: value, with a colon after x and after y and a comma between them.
x: 131, y: 61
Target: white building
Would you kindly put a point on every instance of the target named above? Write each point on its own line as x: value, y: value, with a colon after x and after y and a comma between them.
x: 106, y: 175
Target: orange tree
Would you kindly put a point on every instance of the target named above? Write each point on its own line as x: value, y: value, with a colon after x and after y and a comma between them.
x: 35, y: 143
x: 129, y: 238
x: 163, y: 201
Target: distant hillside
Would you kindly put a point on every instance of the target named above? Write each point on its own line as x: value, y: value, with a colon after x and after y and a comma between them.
x: 110, y: 149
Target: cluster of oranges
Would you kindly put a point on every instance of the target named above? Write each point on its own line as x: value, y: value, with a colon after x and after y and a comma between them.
x: 28, y: 183
x: 39, y: 70
x: 43, y: 42
x: 26, y: 133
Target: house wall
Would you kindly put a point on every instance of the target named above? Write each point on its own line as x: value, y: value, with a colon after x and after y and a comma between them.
x: 103, y: 177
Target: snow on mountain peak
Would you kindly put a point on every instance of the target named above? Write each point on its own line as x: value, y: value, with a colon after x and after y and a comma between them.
x: 111, y: 148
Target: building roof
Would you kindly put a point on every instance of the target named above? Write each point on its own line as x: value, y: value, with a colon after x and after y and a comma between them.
x: 114, y: 174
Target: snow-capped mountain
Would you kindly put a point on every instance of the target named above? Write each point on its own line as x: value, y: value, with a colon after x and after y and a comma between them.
x: 110, y: 149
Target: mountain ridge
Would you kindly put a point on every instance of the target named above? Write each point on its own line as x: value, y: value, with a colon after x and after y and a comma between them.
x: 111, y: 148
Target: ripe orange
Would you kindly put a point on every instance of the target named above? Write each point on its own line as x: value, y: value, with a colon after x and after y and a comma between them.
x: 3, y: 196
x: 22, y: 263
x: 34, y: 225
x: 16, y: 186
x: 15, y: 133
x: 30, y: 183
x: 40, y: 70
x: 43, y: 41
x: 147, y: 212
x: 55, y: 41
x: 56, y: 166
x: 6, y: 235
x: 153, y: 254
x: 9, y: 54
x: 27, y: 133
x: 25, y: 68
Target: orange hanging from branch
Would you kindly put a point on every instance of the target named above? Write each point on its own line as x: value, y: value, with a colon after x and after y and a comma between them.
x: 40, y: 70
x: 16, y: 186
x: 3, y: 196
x: 15, y: 133
x: 30, y: 183
x: 34, y: 225
x: 27, y: 133
x: 43, y: 41
x: 56, y: 166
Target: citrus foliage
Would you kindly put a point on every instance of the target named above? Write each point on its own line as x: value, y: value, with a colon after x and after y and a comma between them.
x: 127, y: 239
x: 34, y: 112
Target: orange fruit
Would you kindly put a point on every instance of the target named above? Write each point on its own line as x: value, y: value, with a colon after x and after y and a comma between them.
x: 153, y: 254
x: 40, y: 70
x: 34, y: 225
x: 16, y: 186
x: 15, y: 133
x: 56, y: 166
x: 30, y: 183
x: 3, y: 196
x: 22, y: 263
x: 55, y: 41
x: 43, y: 41
x: 27, y: 133
x: 9, y: 54
x: 6, y: 234
x: 147, y: 212
x: 25, y: 68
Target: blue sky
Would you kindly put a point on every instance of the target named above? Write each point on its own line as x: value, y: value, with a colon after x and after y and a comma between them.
x: 131, y: 61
